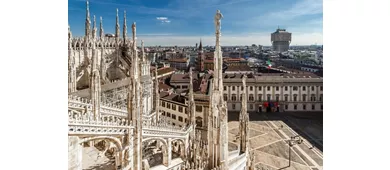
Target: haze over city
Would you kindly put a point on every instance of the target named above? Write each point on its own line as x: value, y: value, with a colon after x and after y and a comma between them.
x: 184, y: 23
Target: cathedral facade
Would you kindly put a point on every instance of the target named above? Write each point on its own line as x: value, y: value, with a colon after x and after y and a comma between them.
x: 113, y: 109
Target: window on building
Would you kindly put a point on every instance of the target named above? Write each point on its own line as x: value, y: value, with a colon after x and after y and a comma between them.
x: 303, y: 88
x: 199, y: 108
x: 185, y: 110
x: 286, y: 107
x: 295, y: 107
x: 186, y: 120
x: 251, y: 106
x: 234, y: 97
x: 184, y: 87
x: 295, y: 88
x: 313, y: 107
x: 168, y: 105
x: 251, y: 88
x: 321, y: 88
x: 163, y: 104
x: 173, y: 124
x: 234, y: 106
x: 268, y: 97
x: 180, y: 109
x: 233, y: 87
x: 173, y: 116
x: 304, y: 107
x: 295, y: 97
x: 321, y: 107
x: 321, y: 97
x: 225, y: 96
x: 224, y: 88
x: 312, y: 88
x: 242, y: 88
x: 240, y: 97
x: 260, y: 97
x: 285, y: 88
x: 277, y: 97
x: 251, y: 98
x: 268, y: 88
x: 163, y: 113
x: 173, y: 107
x: 313, y: 98
x: 168, y: 114
x: 304, y: 96
x: 259, y: 87
x: 180, y: 119
x: 277, y: 88
x: 286, y: 97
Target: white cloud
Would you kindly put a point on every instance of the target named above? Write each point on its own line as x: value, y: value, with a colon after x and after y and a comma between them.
x: 163, y: 19
x: 227, y: 40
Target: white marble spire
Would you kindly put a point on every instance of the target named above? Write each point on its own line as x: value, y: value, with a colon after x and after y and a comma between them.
x: 94, y: 30
x: 117, y: 27
x: 124, y: 28
x: 244, y: 120
x: 101, y: 30
x: 87, y: 21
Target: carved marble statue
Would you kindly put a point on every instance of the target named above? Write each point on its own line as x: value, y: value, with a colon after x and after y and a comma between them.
x: 217, y: 20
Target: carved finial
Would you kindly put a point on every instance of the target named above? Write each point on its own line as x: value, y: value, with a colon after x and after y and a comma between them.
x: 133, y: 27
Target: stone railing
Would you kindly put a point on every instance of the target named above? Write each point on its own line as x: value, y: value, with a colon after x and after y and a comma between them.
x: 81, y: 124
x: 75, y: 102
x: 166, y: 131
x: 104, y: 110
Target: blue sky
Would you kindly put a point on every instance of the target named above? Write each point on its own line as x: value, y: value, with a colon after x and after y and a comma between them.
x: 184, y: 22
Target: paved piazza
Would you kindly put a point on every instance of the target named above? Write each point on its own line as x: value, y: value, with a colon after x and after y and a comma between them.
x: 268, y: 138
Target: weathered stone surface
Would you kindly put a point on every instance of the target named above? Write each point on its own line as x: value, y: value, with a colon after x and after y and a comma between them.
x: 74, y: 153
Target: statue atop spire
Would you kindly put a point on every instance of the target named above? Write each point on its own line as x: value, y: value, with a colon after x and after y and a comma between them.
x: 217, y: 21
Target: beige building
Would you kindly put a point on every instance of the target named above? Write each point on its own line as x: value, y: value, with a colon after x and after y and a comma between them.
x: 287, y: 92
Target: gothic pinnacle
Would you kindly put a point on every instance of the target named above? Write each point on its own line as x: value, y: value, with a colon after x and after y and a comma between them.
x: 101, y: 34
x: 87, y: 21
x: 133, y: 27
x: 124, y: 27
x: 94, y: 28
x: 117, y: 25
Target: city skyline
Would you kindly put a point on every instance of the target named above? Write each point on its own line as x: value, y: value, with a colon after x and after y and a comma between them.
x: 180, y: 23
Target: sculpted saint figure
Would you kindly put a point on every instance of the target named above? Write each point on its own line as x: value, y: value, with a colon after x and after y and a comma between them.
x: 217, y: 20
